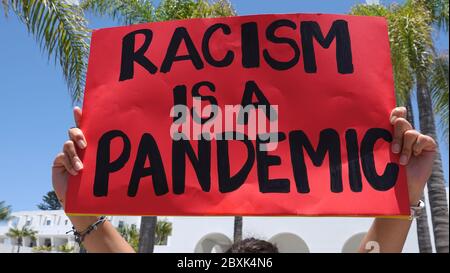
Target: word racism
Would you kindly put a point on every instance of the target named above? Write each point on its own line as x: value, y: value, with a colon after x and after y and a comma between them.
x: 244, y: 107
x: 250, y: 48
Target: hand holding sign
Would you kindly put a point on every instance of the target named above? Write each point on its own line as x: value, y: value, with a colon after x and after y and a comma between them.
x: 417, y: 153
x: 67, y: 162
x: 328, y: 93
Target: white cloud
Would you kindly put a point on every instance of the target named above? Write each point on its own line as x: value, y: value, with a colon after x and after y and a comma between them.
x: 373, y: 2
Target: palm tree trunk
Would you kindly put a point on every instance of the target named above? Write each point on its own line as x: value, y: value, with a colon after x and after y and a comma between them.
x: 423, y: 230
x: 436, y: 186
x: 19, y: 243
x: 147, y: 234
x: 237, y: 235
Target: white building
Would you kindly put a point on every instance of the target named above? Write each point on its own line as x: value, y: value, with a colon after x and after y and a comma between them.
x: 214, y: 234
x: 51, y: 226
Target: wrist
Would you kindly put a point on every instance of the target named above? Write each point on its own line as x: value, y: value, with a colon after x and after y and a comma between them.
x: 414, y: 201
x: 82, y: 222
x: 417, y: 210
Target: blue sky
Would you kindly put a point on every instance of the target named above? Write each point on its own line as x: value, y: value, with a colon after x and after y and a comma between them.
x: 36, y: 109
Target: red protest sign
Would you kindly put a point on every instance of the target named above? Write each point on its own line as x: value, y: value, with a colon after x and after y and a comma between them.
x: 252, y: 115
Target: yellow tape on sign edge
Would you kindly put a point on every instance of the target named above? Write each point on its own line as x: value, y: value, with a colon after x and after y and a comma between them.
x: 400, y: 217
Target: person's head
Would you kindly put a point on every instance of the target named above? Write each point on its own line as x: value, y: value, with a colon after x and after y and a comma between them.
x: 252, y: 245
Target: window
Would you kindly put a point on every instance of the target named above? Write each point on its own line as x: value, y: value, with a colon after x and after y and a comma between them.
x: 66, y: 222
x: 48, y: 222
x: 28, y: 222
x: 133, y: 226
x: 120, y: 224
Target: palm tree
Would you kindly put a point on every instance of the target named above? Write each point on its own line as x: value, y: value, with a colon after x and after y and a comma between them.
x: 237, y: 232
x: 20, y: 234
x: 423, y: 229
x: 50, y: 202
x: 4, y: 211
x: 411, y: 49
x: 147, y: 234
x: 130, y: 234
x: 438, y: 83
x: 436, y: 184
x: 436, y: 187
x: 60, y: 29
x: 139, y: 11
x: 162, y: 232
x: 439, y: 12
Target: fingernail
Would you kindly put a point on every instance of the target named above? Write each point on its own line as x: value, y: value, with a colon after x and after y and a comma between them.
x: 78, y: 165
x: 396, y: 148
x: 403, y: 160
x: 82, y: 144
x: 393, y: 118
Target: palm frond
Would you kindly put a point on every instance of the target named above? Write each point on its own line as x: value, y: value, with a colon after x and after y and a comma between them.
x: 403, y: 74
x: 179, y: 9
x: 439, y: 90
x: 183, y: 9
x: 5, y: 6
x: 4, y: 211
x: 410, y: 40
x: 440, y: 12
x: 61, y: 31
x: 14, y: 233
x: 126, y: 12
x: 414, y: 23
x: 221, y: 8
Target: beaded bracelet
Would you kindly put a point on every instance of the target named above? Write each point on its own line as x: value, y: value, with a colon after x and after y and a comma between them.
x: 79, y: 236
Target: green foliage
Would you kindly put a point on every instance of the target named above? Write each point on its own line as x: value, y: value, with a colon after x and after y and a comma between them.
x: 50, y: 202
x: 61, y: 30
x: 126, y: 12
x: 66, y: 248
x: 162, y: 232
x: 410, y: 40
x: 438, y: 82
x: 42, y: 249
x: 412, y: 50
x: 21, y: 233
x: 183, y: 9
x: 131, y: 235
x: 4, y: 211
x: 439, y: 12
x: 139, y: 11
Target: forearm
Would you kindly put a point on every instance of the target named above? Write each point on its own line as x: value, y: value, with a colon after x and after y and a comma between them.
x: 104, y: 239
x: 389, y: 234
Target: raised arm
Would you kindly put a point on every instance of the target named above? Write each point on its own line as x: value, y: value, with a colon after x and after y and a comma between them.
x: 105, y: 238
x: 417, y: 152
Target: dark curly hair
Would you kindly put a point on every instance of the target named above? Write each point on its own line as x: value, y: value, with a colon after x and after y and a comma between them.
x: 252, y: 245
